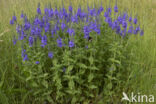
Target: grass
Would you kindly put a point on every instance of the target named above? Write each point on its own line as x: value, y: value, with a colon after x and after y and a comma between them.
x: 145, y: 51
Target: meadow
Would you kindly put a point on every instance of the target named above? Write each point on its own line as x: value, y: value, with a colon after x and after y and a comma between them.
x: 17, y: 87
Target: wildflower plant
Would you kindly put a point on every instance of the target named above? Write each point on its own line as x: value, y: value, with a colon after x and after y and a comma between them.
x: 73, y: 56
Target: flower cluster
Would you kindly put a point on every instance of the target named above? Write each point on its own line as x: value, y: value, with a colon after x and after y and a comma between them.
x: 50, y: 22
x: 122, y: 24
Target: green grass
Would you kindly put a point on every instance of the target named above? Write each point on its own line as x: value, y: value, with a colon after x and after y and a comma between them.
x: 145, y: 51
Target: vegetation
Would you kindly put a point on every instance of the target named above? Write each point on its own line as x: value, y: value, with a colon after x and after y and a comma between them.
x: 91, y: 69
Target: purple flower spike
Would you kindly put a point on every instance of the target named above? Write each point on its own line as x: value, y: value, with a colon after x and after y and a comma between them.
x: 130, y: 31
x: 50, y: 55
x: 124, y: 24
x: 59, y: 42
x: 11, y: 22
x: 130, y: 19
x: 24, y: 55
x: 38, y: 10
x: 14, y: 18
x: 135, y: 21
x: 31, y: 41
x: 22, y: 15
x: 70, y: 9
x: 71, y: 44
x: 100, y: 10
x: 44, y: 41
x: 37, y: 62
x: 71, y: 31
x: 63, y: 26
x: 142, y: 32
x: 14, y: 40
x: 116, y: 9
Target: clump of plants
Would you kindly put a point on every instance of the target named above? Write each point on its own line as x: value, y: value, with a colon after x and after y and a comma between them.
x: 74, y: 55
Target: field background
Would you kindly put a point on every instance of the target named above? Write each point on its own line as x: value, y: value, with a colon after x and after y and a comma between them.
x: 145, y: 51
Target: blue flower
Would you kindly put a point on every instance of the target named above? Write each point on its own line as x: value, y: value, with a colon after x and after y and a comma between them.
x: 138, y: 29
x: 119, y: 19
x: 79, y: 11
x: 47, y: 27
x: 125, y: 16
x: 135, y: 20
x: 14, y: 40
x: 64, y: 12
x: 86, y: 31
x: 130, y: 19
x: 115, y: 24
x: 71, y: 44
x: 37, y: 62
x: 51, y: 12
x: 27, y: 26
x: 59, y: 42
x: 44, y: 41
x: 11, y: 22
x: 38, y: 10
x: 130, y: 31
x: 115, y: 8
x: 92, y: 12
x: 106, y: 14
x: 70, y: 9
x: 37, y: 31
x: 22, y: 15
x: 142, y: 32
x: 71, y: 31
x: 37, y: 21
x: 24, y: 55
x: 22, y: 35
x: 18, y: 29
x: 46, y: 10
x: 109, y: 21
x: 86, y: 47
x: 124, y: 24
x: 14, y: 18
x: 100, y: 10
x: 56, y: 12
x: 118, y: 28
x: 31, y: 41
x: 134, y: 31
x: 63, y: 26
x: 52, y: 33
x: 50, y: 55
x: 74, y: 19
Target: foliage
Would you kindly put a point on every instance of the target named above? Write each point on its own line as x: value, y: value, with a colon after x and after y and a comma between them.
x: 65, y: 63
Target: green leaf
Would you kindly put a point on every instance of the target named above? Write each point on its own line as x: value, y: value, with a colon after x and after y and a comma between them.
x: 25, y: 96
x: 109, y: 86
x: 81, y: 65
x: 91, y: 60
x: 71, y: 84
x: 2, y: 79
x: 93, y: 68
x: 93, y: 87
x: 69, y: 68
x: 114, y: 61
x: 33, y: 84
x: 74, y: 99
x: 81, y: 71
x: 45, y: 83
x: 55, y: 62
x: 50, y: 99
x: 90, y: 77
x: 3, y: 98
